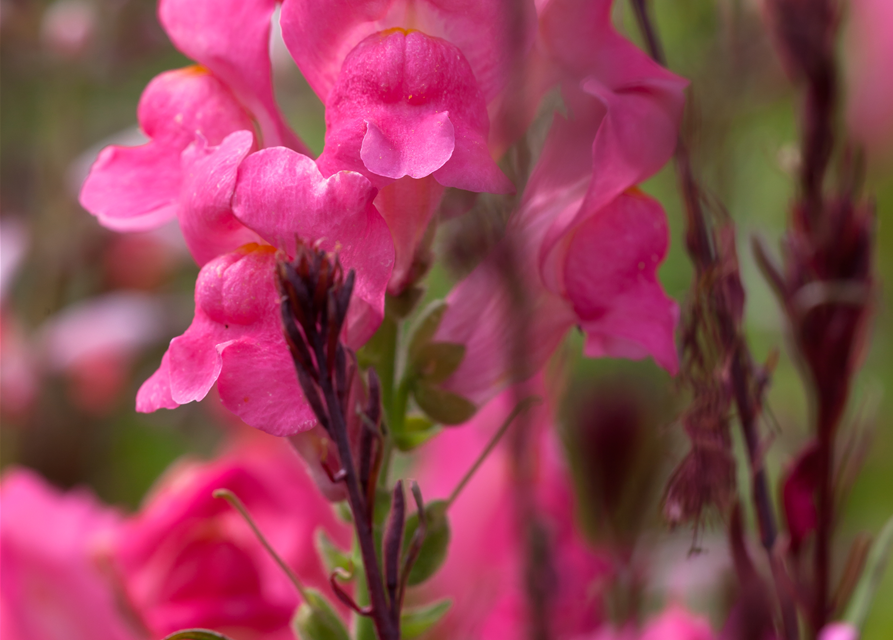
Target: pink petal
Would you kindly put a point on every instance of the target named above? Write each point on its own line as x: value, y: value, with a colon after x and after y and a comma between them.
x: 869, y: 109
x: 209, y: 180
x: 484, y: 316
x: 282, y: 196
x: 491, y: 34
x: 155, y: 393
x: 136, y: 188
x: 406, y: 104
x: 415, y: 152
x: 263, y: 399
x: 610, y: 278
x: 235, y: 340
x: 232, y: 39
x: 408, y: 206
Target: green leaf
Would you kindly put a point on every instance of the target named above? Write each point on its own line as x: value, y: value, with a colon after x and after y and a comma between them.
x: 317, y: 620
x: 426, y: 327
x: 436, y: 361
x: 875, y: 564
x: 415, y: 622
x: 196, y: 634
x: 417, y: 430
x: 399, y: 307
x: 443, y: 406
x: 436, y: 543
x: 333, y: 557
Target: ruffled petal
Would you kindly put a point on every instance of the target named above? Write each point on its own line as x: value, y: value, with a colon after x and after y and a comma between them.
x: 407, y: 104
x: 491, y: 34
x: 209, y: 180
x: 232, y: 39
x: 282, y: 196
x: 136, y: 188
x: 611, y: 279
x: 263, y: 399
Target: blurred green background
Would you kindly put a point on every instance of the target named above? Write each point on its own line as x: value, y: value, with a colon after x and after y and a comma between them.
x: 72, y: 80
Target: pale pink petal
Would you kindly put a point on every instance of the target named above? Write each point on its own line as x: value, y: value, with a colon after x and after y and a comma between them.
x: 839, y: 631
x: 415, y: 152
x: 209, y: 180
x: 408, y: 206
x: 485, y: 318
x: 610, y: 278
x: 136, y: 188
x: 406, y: 104
x: 491, y: 34
x: 282, y: 196
x: 232, y: 39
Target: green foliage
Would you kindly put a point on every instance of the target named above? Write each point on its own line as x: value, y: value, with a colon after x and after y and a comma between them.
x: 415, y: 622
x: 872, y: 574
x: 416, y: 431
x: 317, y: 620
x: 331, y: 555
x: 443, y: 406
x: 197, y: 634
x: 436, y: 543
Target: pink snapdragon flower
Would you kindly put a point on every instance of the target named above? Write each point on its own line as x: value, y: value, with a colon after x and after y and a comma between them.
x: 487, y: 543
x: 236, y: 338
x: 53, y: 585
x: 188, y: 559
x: 231, y: 38
x: 586, y: 243
x: 406, y: 87
x: 137, y: 188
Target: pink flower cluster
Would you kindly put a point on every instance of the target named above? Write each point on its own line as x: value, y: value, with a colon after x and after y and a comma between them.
x: 419, y: 96
x: 75, y: 569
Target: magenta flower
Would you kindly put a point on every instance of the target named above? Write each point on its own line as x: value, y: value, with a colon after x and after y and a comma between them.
x: 585, y: 243
x: 406, y: 104
x: 137, y: 188
x: 487, y: 543
x: 489, y: 34
x: 188, y: 559
x: 236, y: 336
x: 53, y: 585
x: 231, y: 38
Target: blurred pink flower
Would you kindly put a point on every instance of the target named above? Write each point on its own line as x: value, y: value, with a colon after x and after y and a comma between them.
x: 188, y: 559
x: 52, y: 586
x: 68, y: 27
x: 236, y: 336
x: 586, y: 243
x: 484, y: 573
x: 839, y: 631
x: 869, y: 109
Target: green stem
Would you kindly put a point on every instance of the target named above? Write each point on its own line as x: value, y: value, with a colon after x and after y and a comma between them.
x: 521, y: 407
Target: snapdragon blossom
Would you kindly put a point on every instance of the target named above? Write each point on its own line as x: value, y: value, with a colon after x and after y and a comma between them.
x: 586, y: 243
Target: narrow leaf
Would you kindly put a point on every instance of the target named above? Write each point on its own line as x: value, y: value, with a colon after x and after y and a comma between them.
x: 317, y: 620
x: 443, y: 406
x: 435, y: 545
x: 875, y: 564
x: 427, y: 327
x: 415, y: 622
x: 196, y: 634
